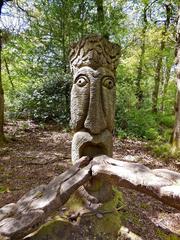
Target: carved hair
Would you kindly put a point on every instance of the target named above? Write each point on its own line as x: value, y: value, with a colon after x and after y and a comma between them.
x: 94, y: 51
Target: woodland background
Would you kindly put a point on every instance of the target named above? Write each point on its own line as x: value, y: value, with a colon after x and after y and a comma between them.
x: 35, y: 84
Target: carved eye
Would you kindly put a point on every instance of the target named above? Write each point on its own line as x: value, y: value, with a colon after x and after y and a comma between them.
x: 81, y: 82
x: 108, y: 82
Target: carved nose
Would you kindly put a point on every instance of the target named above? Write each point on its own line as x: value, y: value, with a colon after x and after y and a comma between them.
x: 95, y: 121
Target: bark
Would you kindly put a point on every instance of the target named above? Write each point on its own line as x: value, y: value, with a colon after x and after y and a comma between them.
x: 165, y: 86
x: 1, y: 94
x: 161, y: 184
x: 2, y: 137
x: 1, y: 87
x: 139, y: 92
x: 101, y: 19
x: 1, y: 4
x: 9, y: 74
x: 64, y: 65
x: 157, y: 78
x: 19, y: 219
x: 176, y: 132
x: 82, y: 14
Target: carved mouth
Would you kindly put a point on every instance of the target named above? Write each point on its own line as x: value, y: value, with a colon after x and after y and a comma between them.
x: 92, y: 150
x: 87, y: 144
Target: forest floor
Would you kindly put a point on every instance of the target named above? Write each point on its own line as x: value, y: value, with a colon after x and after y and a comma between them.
x: 35, y: 154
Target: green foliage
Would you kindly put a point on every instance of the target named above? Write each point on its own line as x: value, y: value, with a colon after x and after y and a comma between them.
x: 151, y: 133
x: 4, y: 189
x: 48, y: 101
x: 122, y: 134
x: 167, y: 121
x: 37, y: 81
x: 137, y: 123
x: 162, y: 150
x: 164, y: 236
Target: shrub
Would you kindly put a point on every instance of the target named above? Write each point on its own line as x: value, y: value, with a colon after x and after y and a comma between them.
x: 162, y: 150
x: 48, y: 101
x: 137, y: 123
x: 121, y: 134
x: 167, y: 120
x: 151, y: 134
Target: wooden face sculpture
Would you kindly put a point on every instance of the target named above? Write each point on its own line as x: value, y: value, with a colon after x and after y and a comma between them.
x: 93, y: 63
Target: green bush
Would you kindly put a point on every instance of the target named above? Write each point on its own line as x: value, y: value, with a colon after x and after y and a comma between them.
x: 48, y: 101
x: 167, y: 120
x: 167, y: 134
x: 151, y: 134
x: 162, y: 150
x: 121, y: 134
x: 137, y: 123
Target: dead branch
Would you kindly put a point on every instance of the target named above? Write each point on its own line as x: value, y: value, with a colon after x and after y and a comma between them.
x: 161, y: 184
x: 19, y: 219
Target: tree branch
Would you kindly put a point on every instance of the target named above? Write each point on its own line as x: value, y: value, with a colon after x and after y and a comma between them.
x: 8, y: 72
x: 19, y: 219
x: 161, y: 184
x: 27, y: 12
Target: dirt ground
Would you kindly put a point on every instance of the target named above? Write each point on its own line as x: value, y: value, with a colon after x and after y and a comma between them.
x: 35, y: 154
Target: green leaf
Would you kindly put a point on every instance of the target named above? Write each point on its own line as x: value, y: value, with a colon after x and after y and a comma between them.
x: 4, y: 189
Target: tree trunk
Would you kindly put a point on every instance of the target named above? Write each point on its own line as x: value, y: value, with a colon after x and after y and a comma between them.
x: 157, y: 77
x: 176, y: 132
x: 165, y: 86
x: 139, y: 92
x: 8, y: 73
x: 2, y: 138
x: 65, y: 60
x: 101, y: 19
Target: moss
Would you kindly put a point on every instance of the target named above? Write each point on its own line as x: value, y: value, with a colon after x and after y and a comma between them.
x: 54, y: 230
x: 111, y: 220
x: 116, y: 202
x: 74, y: 204
x: 109, y: 224
x: 96, y: 184
x: 164, y: 236
x: 3, y: 140
x: 101, y: 224
x: 145, y: 206
x: 134, y: 218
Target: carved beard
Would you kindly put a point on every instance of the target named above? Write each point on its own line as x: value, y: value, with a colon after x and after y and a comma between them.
x: 92, y: 112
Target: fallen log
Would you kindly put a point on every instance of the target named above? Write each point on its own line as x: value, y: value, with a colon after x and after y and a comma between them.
x: 161, y: 184
x: 19, y: 219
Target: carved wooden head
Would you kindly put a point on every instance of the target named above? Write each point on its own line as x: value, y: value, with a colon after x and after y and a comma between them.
x: 93, y: 63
